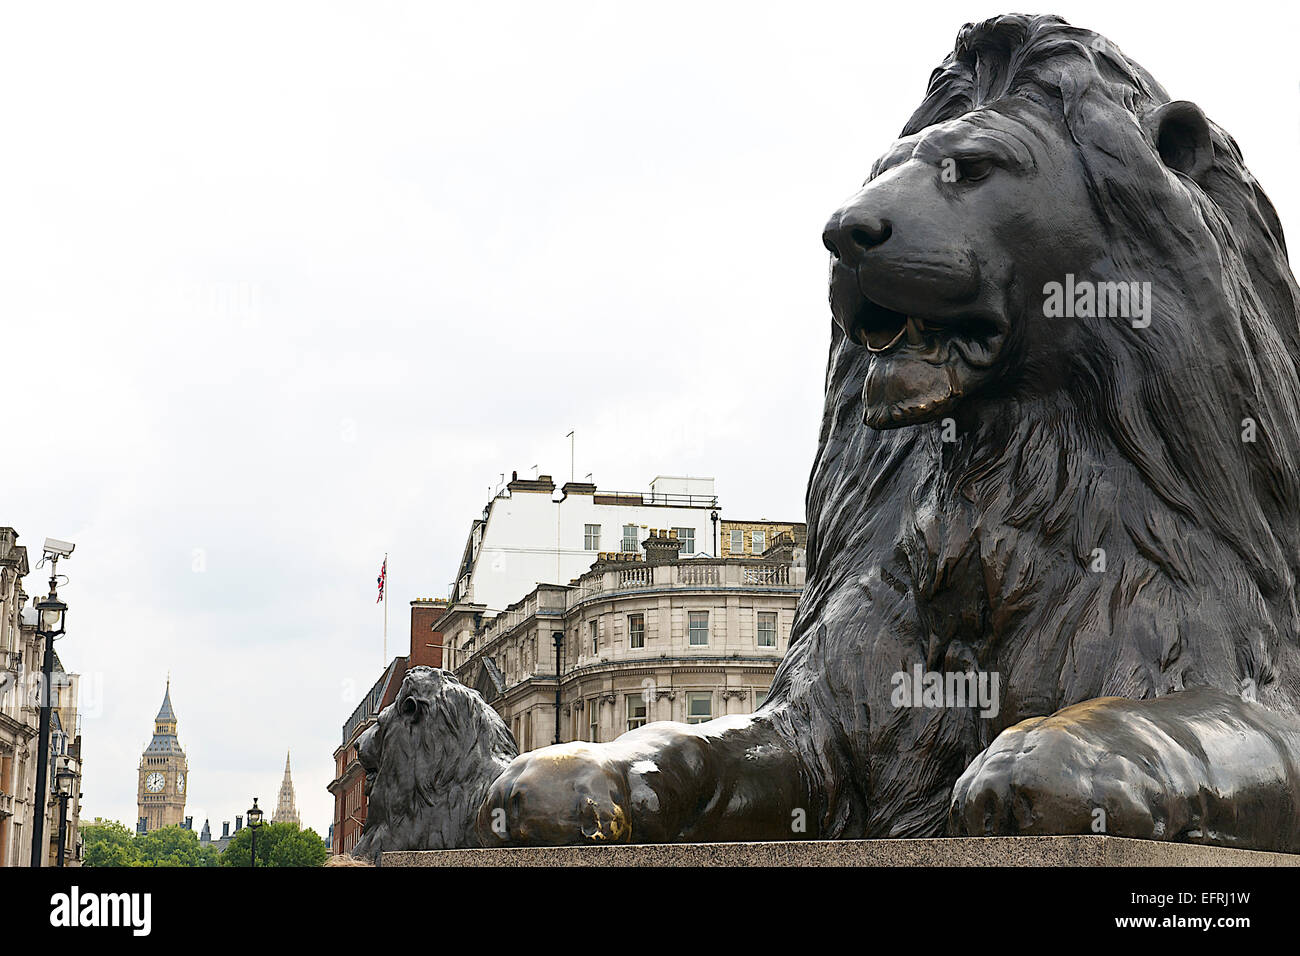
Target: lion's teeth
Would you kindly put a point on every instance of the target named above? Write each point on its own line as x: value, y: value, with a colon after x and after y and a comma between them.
x: 885, y: 348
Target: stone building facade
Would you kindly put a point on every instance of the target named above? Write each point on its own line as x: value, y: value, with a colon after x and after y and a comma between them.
x: 65, y: 764
x: 752, y: 539
x: 18, y: 646
x: 527, y: 535
x: 645, y: 637
x: 21, y: 653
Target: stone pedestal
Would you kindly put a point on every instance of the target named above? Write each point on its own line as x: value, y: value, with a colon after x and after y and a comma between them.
x: 955, y: 851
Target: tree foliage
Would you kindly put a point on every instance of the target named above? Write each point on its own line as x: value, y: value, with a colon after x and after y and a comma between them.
x: 169, y: 846
x: 278, y: 844
x: 109, y: 843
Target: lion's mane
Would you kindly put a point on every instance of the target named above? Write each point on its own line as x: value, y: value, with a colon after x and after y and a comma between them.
x: 430, y: 759
x: 1139, y: 451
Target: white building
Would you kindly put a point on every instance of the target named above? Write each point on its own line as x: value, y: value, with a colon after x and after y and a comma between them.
x: 528, y: 535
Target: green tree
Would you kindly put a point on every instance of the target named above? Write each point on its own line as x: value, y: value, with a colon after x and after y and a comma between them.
x: 109, y: 843
x: 299, y: 848
x: 169, y: 846
x: 278, y: 844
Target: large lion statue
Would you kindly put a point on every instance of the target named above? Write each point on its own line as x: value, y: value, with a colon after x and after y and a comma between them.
x: 429, y: 760
x: 1060, y: 461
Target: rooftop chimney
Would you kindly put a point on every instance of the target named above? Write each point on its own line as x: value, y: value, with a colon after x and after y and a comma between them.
x: 426, y: 642
x: 542, y: 484
x: 662, y: 547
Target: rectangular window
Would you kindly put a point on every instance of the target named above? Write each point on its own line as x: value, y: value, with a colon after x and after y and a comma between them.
x: 636, y: 630
x: 593, y: 725
x: 737, y: 542
x: 759, y: 539
x: 767, y: 629
x: 629, y: 537
x: 591, y: 537
x: 699, y: 707
x: 594, y: 628
x: 687, y: 537
x: 699, y: 628
x: 760, y: 698
x: 635, y: 711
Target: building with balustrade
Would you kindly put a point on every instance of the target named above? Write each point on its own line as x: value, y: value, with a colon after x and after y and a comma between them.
x: 643, y: 636
x: 527, y: 535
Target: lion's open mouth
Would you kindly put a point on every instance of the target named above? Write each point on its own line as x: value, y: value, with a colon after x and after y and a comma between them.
x: 882, y: 331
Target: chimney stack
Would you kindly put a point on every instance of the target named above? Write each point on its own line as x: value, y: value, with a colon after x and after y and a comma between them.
x: 425, y: 613
x: 662, y: 547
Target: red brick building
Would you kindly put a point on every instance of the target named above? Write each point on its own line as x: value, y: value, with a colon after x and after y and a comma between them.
x: 348, y: 785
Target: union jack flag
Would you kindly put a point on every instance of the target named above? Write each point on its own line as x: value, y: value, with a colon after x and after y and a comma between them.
x: 383, y: 574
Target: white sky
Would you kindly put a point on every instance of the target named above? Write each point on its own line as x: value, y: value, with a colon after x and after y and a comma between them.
x: 293, y: 284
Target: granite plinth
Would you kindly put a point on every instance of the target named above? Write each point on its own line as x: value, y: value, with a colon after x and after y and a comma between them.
x: 954, y: 851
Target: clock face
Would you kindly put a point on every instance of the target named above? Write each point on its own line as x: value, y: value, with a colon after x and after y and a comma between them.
x: 180, y: 783
x: 154, y: 782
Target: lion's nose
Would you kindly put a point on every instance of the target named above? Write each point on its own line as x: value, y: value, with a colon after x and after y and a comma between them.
x: 852, y: 231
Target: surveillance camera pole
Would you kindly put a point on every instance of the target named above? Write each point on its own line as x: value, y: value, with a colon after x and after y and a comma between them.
x: 40, y: 852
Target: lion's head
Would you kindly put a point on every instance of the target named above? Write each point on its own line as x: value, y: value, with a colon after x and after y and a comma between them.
x: 1045, y: 168
x: 1042, y: 152
x: 429, y: 760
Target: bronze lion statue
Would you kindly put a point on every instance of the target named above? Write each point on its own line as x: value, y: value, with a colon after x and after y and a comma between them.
x: 429, y: 760
x: 1059, y: 459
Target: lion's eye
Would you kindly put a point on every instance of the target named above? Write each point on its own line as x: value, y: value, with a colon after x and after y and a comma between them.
x: 973, y: 170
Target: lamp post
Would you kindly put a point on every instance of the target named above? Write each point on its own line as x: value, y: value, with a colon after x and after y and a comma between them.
x: 254, y: 821
x: 64, y: 779
x: 559, y: 652
x: 713, y: 516
x: 50, y: 620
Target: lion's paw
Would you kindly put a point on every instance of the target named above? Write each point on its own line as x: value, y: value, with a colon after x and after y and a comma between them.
x: 1045, y: 776
x: 560, y: 795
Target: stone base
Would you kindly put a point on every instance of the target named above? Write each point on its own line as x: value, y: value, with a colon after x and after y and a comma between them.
x: 955, y: 851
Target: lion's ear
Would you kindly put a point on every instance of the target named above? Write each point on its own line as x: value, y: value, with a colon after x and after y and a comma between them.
x: 1180, y: 133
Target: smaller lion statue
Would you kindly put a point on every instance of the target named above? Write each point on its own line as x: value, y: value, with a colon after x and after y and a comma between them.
x: 429, y: 760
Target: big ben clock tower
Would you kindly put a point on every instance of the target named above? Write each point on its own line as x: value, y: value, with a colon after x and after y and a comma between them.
x: 160, y: 794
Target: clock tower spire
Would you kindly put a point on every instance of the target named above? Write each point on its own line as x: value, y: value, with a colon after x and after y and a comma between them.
x: 160, y: 795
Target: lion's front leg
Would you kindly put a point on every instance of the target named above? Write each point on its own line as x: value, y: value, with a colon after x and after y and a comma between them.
x: 729, y: 779
x: 1200, y: 765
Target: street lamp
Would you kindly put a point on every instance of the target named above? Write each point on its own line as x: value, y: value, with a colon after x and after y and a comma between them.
x: 50, y: 614
x: 558, y: 637
x: 65, y: 779
x: 254, y: 821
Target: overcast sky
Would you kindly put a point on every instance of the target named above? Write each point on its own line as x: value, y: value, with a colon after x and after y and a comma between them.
x: 288, y: 286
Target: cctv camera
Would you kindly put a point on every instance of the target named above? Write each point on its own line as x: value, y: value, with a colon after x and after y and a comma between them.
x: 53, y: 546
